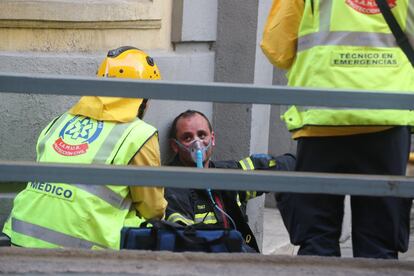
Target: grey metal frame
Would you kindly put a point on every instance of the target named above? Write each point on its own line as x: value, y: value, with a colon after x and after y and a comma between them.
x: 276, y: 181
x: 375, y: 185
x: 207, y: 92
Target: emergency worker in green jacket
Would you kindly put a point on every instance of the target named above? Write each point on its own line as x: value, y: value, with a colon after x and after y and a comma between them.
x: 97, y: 130
x: 348, y: 45
x: 225, y: 209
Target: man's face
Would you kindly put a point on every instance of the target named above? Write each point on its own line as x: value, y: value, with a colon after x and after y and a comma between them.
x: 188, y: 130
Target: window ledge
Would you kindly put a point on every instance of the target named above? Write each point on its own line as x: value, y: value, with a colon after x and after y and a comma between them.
x: 80, y: 14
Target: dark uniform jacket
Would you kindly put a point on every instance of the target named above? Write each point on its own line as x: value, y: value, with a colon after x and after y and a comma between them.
x: 191, y: 206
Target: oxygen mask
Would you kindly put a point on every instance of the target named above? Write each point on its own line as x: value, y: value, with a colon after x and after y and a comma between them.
x: 197, y: 150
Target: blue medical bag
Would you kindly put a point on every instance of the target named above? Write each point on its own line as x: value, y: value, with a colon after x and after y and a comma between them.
x: 173, y: 237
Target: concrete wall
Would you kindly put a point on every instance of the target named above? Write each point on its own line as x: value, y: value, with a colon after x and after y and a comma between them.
x: 242, y: 129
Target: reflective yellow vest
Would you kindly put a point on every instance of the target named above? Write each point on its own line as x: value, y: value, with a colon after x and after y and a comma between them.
x: 50, y: 215
x: 347, y: 44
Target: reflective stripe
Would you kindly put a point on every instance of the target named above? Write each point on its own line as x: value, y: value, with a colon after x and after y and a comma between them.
x: 207, y: 218
x: 246, y: 164
x: 109, y: 144
x: 50, y: 132
x: 368, y: 39
x: 242, y: 164
x: 325, y: 12
x: 175, y: 217
x: 107, y: 195
x: 410, y: 21
x: 346, y: 38
x: 104, y: 152
x: 238, y: 200
x: 250, y: 195
x: 296, y: 119
x: 50, y: 236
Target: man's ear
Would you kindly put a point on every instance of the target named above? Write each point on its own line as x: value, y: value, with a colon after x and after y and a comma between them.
x: 174, y: 146
x: 213, y: 139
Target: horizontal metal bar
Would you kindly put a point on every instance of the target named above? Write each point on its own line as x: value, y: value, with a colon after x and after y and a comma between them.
x: 208, y: 92
x: 272, y: 181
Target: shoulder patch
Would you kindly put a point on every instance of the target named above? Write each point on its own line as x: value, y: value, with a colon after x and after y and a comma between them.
x: 76, y: 135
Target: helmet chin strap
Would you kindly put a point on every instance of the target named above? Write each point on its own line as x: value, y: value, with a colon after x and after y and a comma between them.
x: 142, y: 108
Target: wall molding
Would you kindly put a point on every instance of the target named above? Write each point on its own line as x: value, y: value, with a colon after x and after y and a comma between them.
x: 83, y: 14
x: 37, y: 24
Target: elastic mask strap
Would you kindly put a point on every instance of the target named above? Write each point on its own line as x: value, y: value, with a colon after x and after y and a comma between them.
x: 208, y: 146
x: 181, y: 145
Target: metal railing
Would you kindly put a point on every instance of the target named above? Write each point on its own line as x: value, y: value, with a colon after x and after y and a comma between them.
x: 272, y: 181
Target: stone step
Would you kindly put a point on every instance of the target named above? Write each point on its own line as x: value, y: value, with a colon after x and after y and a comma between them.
x: 40, y: 261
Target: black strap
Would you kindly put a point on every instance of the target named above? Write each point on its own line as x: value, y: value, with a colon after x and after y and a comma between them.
x: 4, y: 240
x: 188, y: 232
x: 396, y: 30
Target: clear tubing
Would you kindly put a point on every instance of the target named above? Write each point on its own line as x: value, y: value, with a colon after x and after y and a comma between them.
x: 199, y: 157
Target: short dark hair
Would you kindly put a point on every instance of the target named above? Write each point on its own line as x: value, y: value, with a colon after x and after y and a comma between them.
x: 186, y: 114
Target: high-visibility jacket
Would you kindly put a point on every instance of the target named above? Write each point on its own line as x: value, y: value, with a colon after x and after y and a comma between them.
x: 50, y: 215
x: 348, y: 44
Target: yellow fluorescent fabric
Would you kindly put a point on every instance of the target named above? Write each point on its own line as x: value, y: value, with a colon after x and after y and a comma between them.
x: 318, y: 131
x: 107, y: 108
x: 296, y: 119
x: 148, y: 201
x: 290, y: 19
x: 100, y: 212
x: 281, y: 32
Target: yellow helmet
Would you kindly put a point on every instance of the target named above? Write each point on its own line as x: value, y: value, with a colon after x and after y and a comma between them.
x: 132, y: 63
x: 129, y: 62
